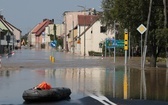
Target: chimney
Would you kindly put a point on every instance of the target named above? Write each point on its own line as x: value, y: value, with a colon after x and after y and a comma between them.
x: 52, y: 20
x: 1, y: 17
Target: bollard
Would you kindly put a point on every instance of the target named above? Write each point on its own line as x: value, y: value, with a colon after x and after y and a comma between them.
x: 50, y: 58
x: 53, y: 60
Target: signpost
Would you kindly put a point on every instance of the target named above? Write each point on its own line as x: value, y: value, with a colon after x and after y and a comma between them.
x: 141, y: 30
x: 112, y: 43
x: 126, y: 44
x: 53, y: 44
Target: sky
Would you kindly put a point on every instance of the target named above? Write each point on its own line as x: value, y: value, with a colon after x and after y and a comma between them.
x: 26, y: 14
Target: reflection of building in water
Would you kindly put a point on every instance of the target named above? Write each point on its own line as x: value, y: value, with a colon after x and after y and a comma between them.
x: 109, y: 82
x: 80, y: 80
x: 7, y: 73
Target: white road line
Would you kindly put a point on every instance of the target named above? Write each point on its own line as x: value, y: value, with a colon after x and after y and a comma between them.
x: 102, y: 99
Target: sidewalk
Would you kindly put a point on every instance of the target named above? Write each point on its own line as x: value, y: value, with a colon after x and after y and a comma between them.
x: 136, y: 63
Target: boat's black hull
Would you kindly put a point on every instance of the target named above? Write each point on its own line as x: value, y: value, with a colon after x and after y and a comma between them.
x: 54, y: 94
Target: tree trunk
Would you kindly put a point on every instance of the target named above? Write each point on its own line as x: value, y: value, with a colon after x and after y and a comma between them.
x: 165, y: 26
x: 153, y: 61
x: 147, y: 31
x: 165, y: 14
x: 153, y: 57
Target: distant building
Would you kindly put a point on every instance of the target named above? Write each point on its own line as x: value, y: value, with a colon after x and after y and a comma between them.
x: 10, y: 36
x: 84, y: 32
x: 37, y: 35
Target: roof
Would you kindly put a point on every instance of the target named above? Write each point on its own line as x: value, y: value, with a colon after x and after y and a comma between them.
x: 12, y: 26
x: 5, y: 26
x: 93, y: 19
x: 87, y: 19
x: 41, y: 26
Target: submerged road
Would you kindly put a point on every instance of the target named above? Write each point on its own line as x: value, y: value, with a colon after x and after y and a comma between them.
x: 93, y: 80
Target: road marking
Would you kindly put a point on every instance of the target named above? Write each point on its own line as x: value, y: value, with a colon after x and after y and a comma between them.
x: 103, y: 100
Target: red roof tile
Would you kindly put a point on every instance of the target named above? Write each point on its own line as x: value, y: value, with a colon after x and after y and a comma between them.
x: 41, y: 26
x: 87, y: 19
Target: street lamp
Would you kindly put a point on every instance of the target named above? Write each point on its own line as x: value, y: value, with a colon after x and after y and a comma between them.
x: 84, y: 28
x: 73, y: 46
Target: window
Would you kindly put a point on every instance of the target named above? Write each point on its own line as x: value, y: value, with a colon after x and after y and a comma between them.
x: 103, y: 29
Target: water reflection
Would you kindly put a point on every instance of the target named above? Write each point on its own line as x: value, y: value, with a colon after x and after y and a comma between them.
x: 143, y: 85
x: 81, y: 80
x: 125, y: 84
x: 117, y: 82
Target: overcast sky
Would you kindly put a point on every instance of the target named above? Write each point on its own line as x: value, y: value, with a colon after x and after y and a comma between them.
x: 25, y: 14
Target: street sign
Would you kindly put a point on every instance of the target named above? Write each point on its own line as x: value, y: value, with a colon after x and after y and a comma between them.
x: 120, y: 43
x: 141, y: 29
x: 53, y: 44
x: 111, y: 43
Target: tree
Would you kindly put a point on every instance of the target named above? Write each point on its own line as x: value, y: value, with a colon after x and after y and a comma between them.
x: 165, y: 26
x: 130, y: 14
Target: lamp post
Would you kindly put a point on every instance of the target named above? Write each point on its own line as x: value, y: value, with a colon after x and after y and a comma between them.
x: 84, y: 29
x: 65, y: 32
x: 73, y: 45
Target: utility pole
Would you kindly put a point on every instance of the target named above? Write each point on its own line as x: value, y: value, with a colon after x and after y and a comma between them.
x: 84, y: 29
x: 73, y: 37
x: 146, y: 34
x: 84, y: 32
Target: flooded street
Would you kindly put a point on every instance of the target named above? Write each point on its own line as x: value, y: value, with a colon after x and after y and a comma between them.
x: 84, y: 76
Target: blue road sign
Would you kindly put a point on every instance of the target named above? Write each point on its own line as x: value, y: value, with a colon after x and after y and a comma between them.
x: 53, y: 43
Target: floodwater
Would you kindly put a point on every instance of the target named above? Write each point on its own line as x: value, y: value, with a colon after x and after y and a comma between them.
x: 116, y: 82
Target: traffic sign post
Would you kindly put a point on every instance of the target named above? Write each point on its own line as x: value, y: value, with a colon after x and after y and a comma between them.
x: 112, y: 43
x: 141, y: 30
x: 53, y: 44
x: 126, y: 40
x: 125, y: 44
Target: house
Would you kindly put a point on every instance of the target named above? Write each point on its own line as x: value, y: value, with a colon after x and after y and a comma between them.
x: 91, y: 34
x: 70, y: 21
x: 10, y: 36
x: 85, y: 33
x: 37, y: 36
x: 43, y: 33
x: 16, y: 32
x: 49, y: 31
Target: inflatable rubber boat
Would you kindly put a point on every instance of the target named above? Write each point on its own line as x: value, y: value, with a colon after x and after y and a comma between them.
x: 53, y: 94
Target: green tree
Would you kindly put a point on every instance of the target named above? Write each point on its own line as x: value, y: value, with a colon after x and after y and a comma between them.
x: 130, y: 14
